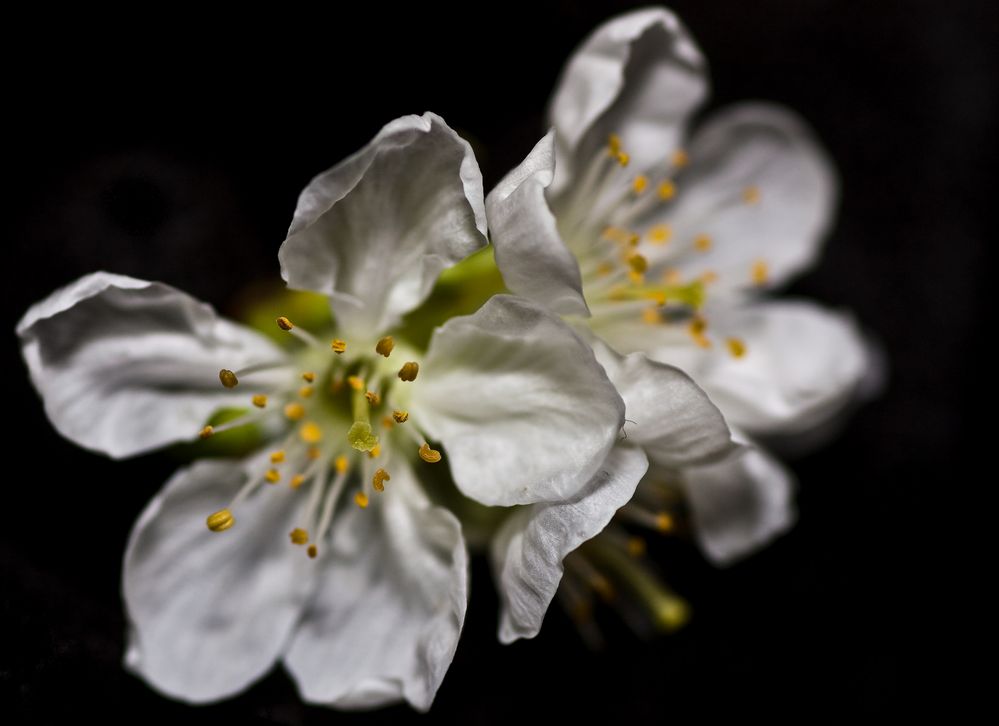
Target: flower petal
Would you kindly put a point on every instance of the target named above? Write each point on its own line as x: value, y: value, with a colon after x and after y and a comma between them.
x: 740, y: 504
x: 667, y: 414
x: 530, y: 254
x: 385, y: 621
x: 125, y: 366
x: 524, y: 410
x: 528, y: 550
x: 761, y: 189
x: 640, y: 75
x: 211, y: 612
x: 375, y: 231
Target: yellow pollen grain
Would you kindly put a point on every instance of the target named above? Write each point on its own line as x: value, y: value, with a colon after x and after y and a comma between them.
x: 356, y: 383
x: 378, y: 480
x: 338, y: 346
x: 375, y: 451
x: 299, y: 536
x: 640, y: 184
x: 409, y: 371
x: 305, y: 391
x: 658, y: 297
x: 340, y: 464
x: 313, y: 453
x: 294, y: 411
x: 751, y: 195
x: 666, y: 189
x: 672, y: 276
x: 387, y: 422
x: 679, y: 158
x: 310, y: 432
x: 736, y: 347
x: 277, y: 457
x: 651, y: 316
x: 660, y: 234
x: 636, y: 546
x: 260, y: 400
x: 206, y: 432
x: 373, y: 398
x: 622, y: 158
x: 220, y: 521
x: 384, y: 346
x: 702, y: 242
x: 603, y: 587
x: 431, y: 456
x: 604, y: 269
x: 309, y: 377
x: 273, y: 476
x: 760, y: 273
x: 284, y: 323
x: 400, y: 416
x: 228, y: 378
x: 633, y: 239
x: 664, y: 522
x: 297, y: 481
x: 636, y: 278
x: 312, y: 552
x: 638, y: 263
x: 696, y: 329
x: 361, y: 500
x: 613, y: 144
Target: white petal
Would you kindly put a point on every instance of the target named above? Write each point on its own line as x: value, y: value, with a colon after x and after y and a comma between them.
x: 385, y: 621
x: 375, y: 231
x: 528, y: 550
x: 524, y: 411
x: 667, y: 414
x: 640, y: 76
x: 212, y: 611
x: 530, y: 253
x: 125, y: 366
x: 740, y: 504
x: 761, y: 147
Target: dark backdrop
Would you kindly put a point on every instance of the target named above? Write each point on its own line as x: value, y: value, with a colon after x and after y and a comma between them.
x: 174, y: 147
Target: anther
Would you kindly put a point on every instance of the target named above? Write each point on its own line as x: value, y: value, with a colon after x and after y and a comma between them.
x: 299, y: 536
x: 206, y: 432
x: 297, y: 481
x: 702, y: 242
x: 260, y: 400
x: 341, y: 464
x: 313, y: 453
x: 294, y: 411
x: 384, y: 346
x: 400, y: 416
x: 312, y: 552
x: 666, y: 189
x: 660, y: 234
x: 760, y: 273
x: 751, y: 195
x: 220, y: 521
x: 310, y: 433
x: 664, y: 522
x: 636, y: 546
x: 431, y: 456
x: 228, y: 378
x: 736, y: 347
x: 338, y: 346
x: 356, y: 382
x: 273, y: 476
x: 679, y: 158
x: 640, y: 184
x: 305, y: 391
x: 277, y: 457
x: 622, y: 158
x: 361, y: 500
x: 638, y: 263
x: 378, y: 480
x: 309, y: 377
x: 651, y: 316
x: 284, y: 323
x: 613, y: 144
x: 373, y: 398
x: 409, y: 371
x: 697, y: 328
x: 375, y: 452
x: 387, y: 422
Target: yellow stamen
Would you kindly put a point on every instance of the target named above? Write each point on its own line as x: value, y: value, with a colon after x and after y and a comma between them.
x: 633, y: 239
x: 667, y: 189
x: 220, y: 521
x: 613, y: 144
x: 336, y: 385
x: 373, y: 398
x: 311, y: 433
x: 679, y: 158
x: 312, y: 552
x: 409, y: 371
x: 760, y: 273
x: 356, y: 383
x: 431, y: 456
x: 338, y: 346
x: 361, y: 500
x: 702, y: 242
x: 305, y: 391
x: 260, y: 400
x: 387, y: 422
x: 736, y: 347
x: 228, y: 378
x: 384, y: 346
x: 604, y: 269
x: 206, y: 432
x: 640, y: 184
x: 622, y: 158
x: 277, y: 457
x: 672, y: 276
x: 651, y: 316
x: 378, y: 480
x: 284, y: 323
x: 313, y: 453
x: 660, y: 234
x: 340, y: 464
x: 294, y: 411
x: 664, y: 522
x: 636, y: 278
x: 709, y: 276
x: 400, y: 416
x: 751, y: 195
x: 697, y: 328
x: 638, y: 263
x: 273, y: 476
x: 297, y: 481
x: 376, y: 451
x: 636, y: 546
x: 309, y: 377
x: 299, y: 536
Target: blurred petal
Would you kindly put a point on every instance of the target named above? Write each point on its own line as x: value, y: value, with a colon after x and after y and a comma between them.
x: 528, y: 550
x: 211, y: 612
x: 640, y: 76
x: 530, y: 253
x: 740, y: 504
x: 375, y: 231
x: 125, y: 366
x: 385, y: 621
x: 525, y: 412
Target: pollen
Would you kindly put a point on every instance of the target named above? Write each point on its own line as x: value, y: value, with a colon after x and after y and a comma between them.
x: 622, y: 158
x: 672, y: 276
x: 206, y: 432
x: 228, y: 378
x: 660, y: 234
x: 613, y: 144
x: 751, y: 195
x: 637, y: 263
x: 651, y: 316
x: 277, y: 457
x: 708, y: 277
x: 361, y: 500
x: 373, y: 398
x: 400, y: 416
x: 387, y: 422
x: 378, y: 480
x: 260, y: 400
x: 299, y: 536
x: 640, y: 184
x: 604, y: 269
x: 385, y: 346
x: 702, y: 242
x: 760, y: 273
x: 309, y: 377
x: 220, y: 521
x: 431, y: 456
x: 664, y: 522
x: 305, y: 391
x: 341, y: 464
x: 666, y: 189
x: 338, y: 346
x: 376, y: 451
x: 313, y: 453
x: 355, y: 382
x: 736, y: 347
x: 679, y: 158
x: 409, y: 371
x: 636, y: 278
x: 615, y: 234
x: 312, y: 552
x: 696, y: 329
x: 284, y: 323
x: 297, y: 481
x: 636, y: 546
x: 273, y: 476
x: 294, y: 411
x: 310, y: 433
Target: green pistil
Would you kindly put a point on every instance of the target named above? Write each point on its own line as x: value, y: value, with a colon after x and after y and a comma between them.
x: 692, y: 294
x: 360, y: 435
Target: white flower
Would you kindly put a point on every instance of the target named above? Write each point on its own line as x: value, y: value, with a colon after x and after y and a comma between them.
x: 522, y: 409
x: 664, y: 244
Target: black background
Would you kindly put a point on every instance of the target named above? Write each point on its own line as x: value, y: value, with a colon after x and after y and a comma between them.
x: 173, y: 146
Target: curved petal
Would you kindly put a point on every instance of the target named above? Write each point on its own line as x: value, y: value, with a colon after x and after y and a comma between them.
x: 667, y: 414
x: 375, y: 231
x: 760, y: 240
x: 385, y: 621
x: 528, y: 550
x: 530, y: 254
x: 125, y: 366
x: 801, y: 363
x: 640, y: 75
x: 524, y: 410
x: 211, y: 612
x: 740, y: 504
